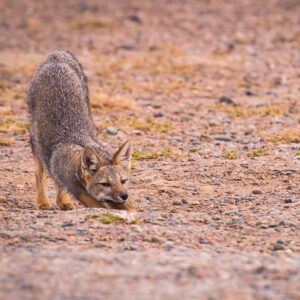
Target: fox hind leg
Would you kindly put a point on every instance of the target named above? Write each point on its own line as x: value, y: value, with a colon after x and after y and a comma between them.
x: 41, y: 183
x: 63, y: 199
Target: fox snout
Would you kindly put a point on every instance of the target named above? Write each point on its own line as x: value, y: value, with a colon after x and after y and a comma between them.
x: 120, y: 197
x: 123, y: 196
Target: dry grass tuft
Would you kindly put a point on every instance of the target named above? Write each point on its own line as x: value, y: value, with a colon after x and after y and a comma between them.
x: 258, y: 152
x: 230, y: 154
x: 193, y: 150
x: 114, y: 218
x: 150, y: 124
x: 288, y: 136
x: 5, y: 141
x: 12, y: 126
x: 155, y: 154
x: 103, y: 101
x: 247, y: 111
x: 90, y: 22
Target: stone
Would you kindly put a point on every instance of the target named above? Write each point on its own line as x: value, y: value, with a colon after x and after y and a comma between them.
x: 226, y: 100
x: 223, y: 137
x: 278, y: 247
x: 158, y: 115
x: 257, y: 192
x: 177, y: 202
x: 111, y: 131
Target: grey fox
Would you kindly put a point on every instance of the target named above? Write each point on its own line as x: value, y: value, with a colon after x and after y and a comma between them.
x: 63, y: 140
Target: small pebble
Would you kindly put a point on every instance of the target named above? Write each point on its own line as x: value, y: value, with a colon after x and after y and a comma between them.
x: 155, y: 239
x: 177, y: 202
x: 80, y: 230
x: 158, y: 115
x: 289, y: 200
x: 67, y: 224
x: 135, y: 19
x: 277, y: 247
x: 203, y: 241
x: 16, y: 77
x: 100, y: 245
x: 226, y: 100
x: 111, y: 131
x: 249, y: 93
x: 222, y: 137
x: 176, y: 138
x: 257, y: 192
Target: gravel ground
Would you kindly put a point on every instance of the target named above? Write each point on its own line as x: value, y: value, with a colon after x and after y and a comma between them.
x: 209, y: 95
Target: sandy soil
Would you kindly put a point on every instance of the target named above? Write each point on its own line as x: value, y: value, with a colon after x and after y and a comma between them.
x: 209, y: 94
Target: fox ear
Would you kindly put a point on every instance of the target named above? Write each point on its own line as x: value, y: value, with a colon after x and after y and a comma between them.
x: 90, y: 161
x: 123, y: 155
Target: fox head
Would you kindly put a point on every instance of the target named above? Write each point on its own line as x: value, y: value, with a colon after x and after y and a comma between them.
x: 106, y: 181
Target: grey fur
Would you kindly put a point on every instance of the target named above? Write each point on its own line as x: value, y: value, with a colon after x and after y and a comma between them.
x: 61, y: 126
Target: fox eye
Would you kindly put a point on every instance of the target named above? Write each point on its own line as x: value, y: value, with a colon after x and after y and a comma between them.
x: 123, y: 181
x: 106, y: 184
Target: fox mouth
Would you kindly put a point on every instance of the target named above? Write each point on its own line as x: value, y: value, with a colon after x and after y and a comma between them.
x: 112, y: 200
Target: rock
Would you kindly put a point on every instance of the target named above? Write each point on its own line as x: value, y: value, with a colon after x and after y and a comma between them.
x: 67, y: 224
x: 278, y: 247
x: 278, y: 81
x: 249, y: 93
x: 216, y: 181
x: 257, y: 192
x: 16, y: 77
x: 237, y: 199
x: 127, y: 47
x: 80, y: 230
x: 203, y: 241
x: 272, y: 93
x: 223, y: 137
x: 111, y: 131
x: 177, y: 202
x: 135, y: 19
x: 184, y: 201
x: 226, y: 100
x: 100, y: 245
x: 156, y: 240
x: 194, y: 157
x: 289, y: 200
x: 158, y: 115
x: 176, y: 138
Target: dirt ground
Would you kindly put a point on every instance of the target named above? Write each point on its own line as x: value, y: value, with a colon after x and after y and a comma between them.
x: 209, y: 94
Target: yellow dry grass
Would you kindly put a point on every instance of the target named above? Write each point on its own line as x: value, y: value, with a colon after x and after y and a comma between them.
x: 11, y: 126
x: 103, y: 101
x: 247, y: 111
x: 4, y: 141
x: 150, y: 124
x: 230, y: 154
x: 155, y: 154
x: 258, y: 152
x: 290, y: 135
x: 91, y: 22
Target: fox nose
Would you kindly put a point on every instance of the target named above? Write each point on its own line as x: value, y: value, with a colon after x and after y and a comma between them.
x: 123, y: 195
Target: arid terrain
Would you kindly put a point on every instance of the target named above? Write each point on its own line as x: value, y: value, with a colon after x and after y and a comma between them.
x: 209, y: 94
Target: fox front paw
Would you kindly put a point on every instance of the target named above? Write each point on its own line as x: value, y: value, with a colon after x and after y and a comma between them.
x: 66, y: 206
x: 44, y: 206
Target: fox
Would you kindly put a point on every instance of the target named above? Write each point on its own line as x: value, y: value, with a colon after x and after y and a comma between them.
x: 64, y: 144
